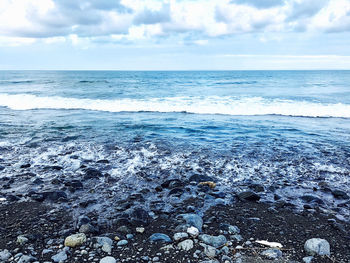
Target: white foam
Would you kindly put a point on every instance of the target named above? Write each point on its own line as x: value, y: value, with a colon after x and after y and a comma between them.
x: 198, y: 105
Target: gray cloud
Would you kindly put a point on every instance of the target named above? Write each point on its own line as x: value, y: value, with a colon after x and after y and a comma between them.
x: 260, y: 3
x: 153, y: 17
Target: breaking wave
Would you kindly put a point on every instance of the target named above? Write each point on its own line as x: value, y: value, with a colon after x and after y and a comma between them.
x: 196, y: 105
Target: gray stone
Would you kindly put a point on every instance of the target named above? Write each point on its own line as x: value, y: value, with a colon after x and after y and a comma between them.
x: 210, y: 261
x: 107, y: 248
x: 185, y: 245
x: 179, y: 236
x: 5, y: 255
x: 193, y: 220
x: 100, y: 241
x: 272, y: 253
x: 22, y: 240
x: 122, y: 243
x: 159, y: 237
x: 215, y: 241
x: 129, y: 236
x: 317, y: 246
x: 193, y: 231
x: 87, y: 228
x: 108, y: 260
x: 59, y: 257
x: 209, y: 251
x: 308, y: 259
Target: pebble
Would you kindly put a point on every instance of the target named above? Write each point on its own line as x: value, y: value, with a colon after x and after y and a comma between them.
x: 108, y: 260
x: 308, y: 259
x: 75, y: 240
x: 185, y: 245
x: 193, y: 220
x: 107, y: 248
x: 140, y: 230
x: 215, y: 241
x: 159, y: 237
x: 22, y: 240
x: 193, y: 231
x: 209, y: 251
x: 317, y: 246
x: 122, y: 243
x: 59, y: 257
x: 271, y: 253
x: 5, y: 255
x: 180, y: 235
x: 26, y: 259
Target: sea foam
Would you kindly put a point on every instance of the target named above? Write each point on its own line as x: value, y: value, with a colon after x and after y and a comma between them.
x: 197, y: 105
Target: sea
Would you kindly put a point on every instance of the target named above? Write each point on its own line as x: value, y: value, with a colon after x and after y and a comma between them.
x: 287, y: 132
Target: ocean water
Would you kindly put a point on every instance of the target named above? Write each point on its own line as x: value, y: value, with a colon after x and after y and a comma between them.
x: 286, y: 130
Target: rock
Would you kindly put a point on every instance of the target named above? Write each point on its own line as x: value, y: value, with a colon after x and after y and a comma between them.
x: 308, y: 259
x: 248, y: 196
x: 88, y: 228
x: 129, y: 236
x: 123, y: 229
x: 159, y: 237
x: 75, y: 240
x: 122, y: 243
x: 92, y: 173
x: 340, y: 194
x: 210, y: 261
x: 108, y: 260
x: 140, y: 230
x: 272, y: 253
x: 200, y: 178
x: 180, y: 235
x: 317, y: 246
x: 22, y: 240
x: 83, y: 220
x: 211, y: 184
x: 230, y: 229
x: 193, y: 220
x: 5, y: 255
x: 107, y: 248
x: 312, y: 199
x: 100, y: 241
x: 55, y: 196
x: 139, y: 216
x: 59, y: 257
x: 185, y: 245
x: 26, y: 259
x: 193, y: 231
x: 209, y: 251
x: 215, y: 241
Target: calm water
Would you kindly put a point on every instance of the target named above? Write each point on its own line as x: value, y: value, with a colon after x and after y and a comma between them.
x: 289, y: 130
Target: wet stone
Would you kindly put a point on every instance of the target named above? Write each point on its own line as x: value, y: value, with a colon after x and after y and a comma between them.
x: 249, y: 196
x: 159, y: 237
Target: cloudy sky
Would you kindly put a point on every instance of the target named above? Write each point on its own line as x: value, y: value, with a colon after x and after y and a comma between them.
x: 174, y: 34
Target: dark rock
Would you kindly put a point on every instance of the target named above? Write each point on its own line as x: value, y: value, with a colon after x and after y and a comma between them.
x: 257, y: 188
x: 249, y: 196
x: 139, y: 216
x: 92, y: 173
x: 340, y: 194
x: 83, y: 220
x: 55, y: 196
x: 2, y: 168
x: 38, y: 181
x: 86, y: 203
x: 201, y: 178
x: 312, y: 199
x: 173, y: 183
x: 12, y: 198
x: 23, y: 166
x: 102, y: 161
x: 176, y: 191
x: 192, y: 220
x: 76, y: 184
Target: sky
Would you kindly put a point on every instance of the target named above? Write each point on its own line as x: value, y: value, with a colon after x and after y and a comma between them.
x: 174, y: 34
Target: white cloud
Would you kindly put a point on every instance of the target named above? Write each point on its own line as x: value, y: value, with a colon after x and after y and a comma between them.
x: 148, y: 19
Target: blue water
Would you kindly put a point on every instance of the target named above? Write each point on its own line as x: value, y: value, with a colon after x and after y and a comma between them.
x: 288, y: 130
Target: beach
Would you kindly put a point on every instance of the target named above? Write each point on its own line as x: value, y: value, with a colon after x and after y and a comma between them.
x: 112, y: 158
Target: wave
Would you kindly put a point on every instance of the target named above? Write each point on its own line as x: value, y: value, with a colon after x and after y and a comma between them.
x: 197, y: 105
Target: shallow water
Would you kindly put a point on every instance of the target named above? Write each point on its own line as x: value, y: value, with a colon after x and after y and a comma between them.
x: 287, y: 130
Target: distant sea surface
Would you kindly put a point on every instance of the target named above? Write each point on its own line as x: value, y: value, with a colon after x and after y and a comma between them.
x: 286, y: 130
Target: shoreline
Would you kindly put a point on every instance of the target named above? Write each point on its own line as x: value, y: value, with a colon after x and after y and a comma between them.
x: 45, y: 229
